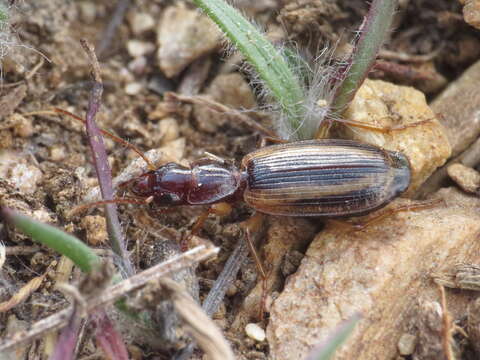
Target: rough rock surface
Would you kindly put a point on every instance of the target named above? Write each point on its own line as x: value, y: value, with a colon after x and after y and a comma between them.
x: 380, y: 272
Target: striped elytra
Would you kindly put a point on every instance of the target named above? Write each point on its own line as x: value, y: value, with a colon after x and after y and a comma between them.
x: 330, y: 178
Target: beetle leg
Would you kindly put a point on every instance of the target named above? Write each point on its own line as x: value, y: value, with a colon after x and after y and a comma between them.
x: 382, y: 129
x: 220, y: 209
x: 264, y: 140
x: 359, y: 226
x: 252, y: 225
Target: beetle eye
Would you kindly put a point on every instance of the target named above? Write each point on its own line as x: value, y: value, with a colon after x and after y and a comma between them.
x: 165, y: 199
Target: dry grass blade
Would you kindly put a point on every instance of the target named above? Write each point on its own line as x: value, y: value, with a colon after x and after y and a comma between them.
x: 22, y: 294
x: 200, y: 326
x: 111, y: 294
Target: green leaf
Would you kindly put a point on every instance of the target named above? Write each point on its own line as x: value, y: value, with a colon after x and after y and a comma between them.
x: 374, y: 32
x: 56, y: 239
x: 266, y: 60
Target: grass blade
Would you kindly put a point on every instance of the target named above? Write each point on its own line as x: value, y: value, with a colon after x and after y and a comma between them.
x: 48, y: 235
x: 373, y: 33
x: 270, y: 65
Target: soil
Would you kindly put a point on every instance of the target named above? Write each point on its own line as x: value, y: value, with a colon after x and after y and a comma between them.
x: 45, y: 161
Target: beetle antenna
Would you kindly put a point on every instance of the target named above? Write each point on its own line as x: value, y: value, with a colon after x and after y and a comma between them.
x: 84, y: 207
x: 150, y: 165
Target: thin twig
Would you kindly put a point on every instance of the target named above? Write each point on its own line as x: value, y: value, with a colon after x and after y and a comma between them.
x: 102, y: 167
x: 218, y: 107
x: 111, y: 294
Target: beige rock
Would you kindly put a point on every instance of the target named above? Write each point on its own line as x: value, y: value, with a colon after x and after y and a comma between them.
x: 471, y: 13
x: 406, y: 344
x: 169, y: 129
x: 380, y: 272
x: 255, y: 332
x: 457, y: 109
x: 141, y: 22
x: 386, y: 105
x: 466, y: 177
x: 96, y: 229
x: 183, y: 36
x: 138, y: 48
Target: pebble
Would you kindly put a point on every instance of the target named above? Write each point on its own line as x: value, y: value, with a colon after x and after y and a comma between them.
x: 23, y: 127
x: 183, y: 36
x: 133, y: 88
x: 141, y: 22
x: 25, y: 177
x: 169, y: 129
x: 471, y: 13
x: 57, y: 153
x: 95, y: 228
x: 88, y: 11
x: 406, y: 344
x: 255, y: 332
x: 466, y: 177
x: 138, y: 48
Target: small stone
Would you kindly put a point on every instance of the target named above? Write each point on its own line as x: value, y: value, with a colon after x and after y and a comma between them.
x: 466, y: 177
x: 96, y: 229
x: 138, y: 48
x: 255, y: 332
x: 406, y: 344
x: 23, y: 127
x: 25, y: 177
x: 88, y: 11
x: 141, y: 22
x: 57, y: 153
x: 183, y: 36
x: 169, y: 129
x: 133, y: 88
x: 471, y: 13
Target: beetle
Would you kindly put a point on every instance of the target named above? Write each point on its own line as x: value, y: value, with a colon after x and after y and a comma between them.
x: 323, y: 178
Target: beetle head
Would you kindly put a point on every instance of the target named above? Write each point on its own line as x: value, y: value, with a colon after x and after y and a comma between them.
x: 167, y: 184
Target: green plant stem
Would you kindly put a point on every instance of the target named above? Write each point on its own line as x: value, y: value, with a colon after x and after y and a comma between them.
x: 267, y: 61
x: 56, y: 239
x: 373, y: 34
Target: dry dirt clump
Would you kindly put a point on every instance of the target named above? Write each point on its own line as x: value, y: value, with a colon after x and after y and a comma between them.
x: 318, y: 273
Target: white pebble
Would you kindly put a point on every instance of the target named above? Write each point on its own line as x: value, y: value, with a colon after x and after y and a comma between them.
x: 138, y: 48
x: 25, y: 177
x: 133, y: 88
x: 255, y: 332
